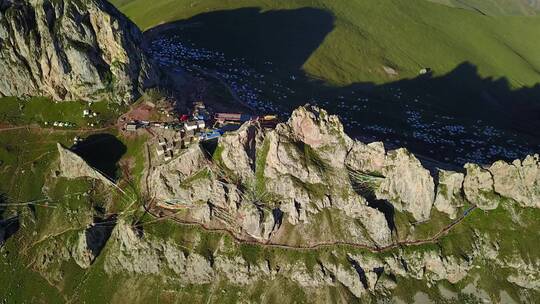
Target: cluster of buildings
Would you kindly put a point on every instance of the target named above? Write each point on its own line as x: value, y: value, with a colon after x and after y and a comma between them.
x: 198, y: 126
x: 167, y: 149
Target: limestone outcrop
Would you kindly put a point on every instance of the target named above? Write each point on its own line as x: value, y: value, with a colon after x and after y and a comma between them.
x: 71, y: 50
x: 258, y: 179
x: 519, y: 180
x: 368, y: 158
x: 479, y: 189
x: 238, y: 150
x: 143, y: 255
x: 309, y: 216
x: 450, y: 192
x: 73, y: 166
x: 407, y: 184
x: 359, y: 273
x: 429, y: 265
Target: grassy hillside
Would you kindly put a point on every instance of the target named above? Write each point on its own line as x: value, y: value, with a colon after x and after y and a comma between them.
x: 496, y: 7
x: 368, y: 35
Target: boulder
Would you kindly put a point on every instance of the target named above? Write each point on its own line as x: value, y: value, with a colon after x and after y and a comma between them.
x: 368, y: 158
x: 71, y: 50
x: 255, y: 221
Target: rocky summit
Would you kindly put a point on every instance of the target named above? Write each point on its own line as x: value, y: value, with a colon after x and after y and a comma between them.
x: 265, y: 184
x: 71, y: 50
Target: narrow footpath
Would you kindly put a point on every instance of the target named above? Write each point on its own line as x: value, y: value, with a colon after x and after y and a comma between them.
x: 315, y: 246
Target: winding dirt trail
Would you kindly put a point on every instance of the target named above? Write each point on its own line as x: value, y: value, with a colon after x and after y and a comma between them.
x: 315, y: 246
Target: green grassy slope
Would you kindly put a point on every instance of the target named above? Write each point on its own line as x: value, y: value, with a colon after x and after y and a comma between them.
x: 404, y: 35
x: 496, y: 7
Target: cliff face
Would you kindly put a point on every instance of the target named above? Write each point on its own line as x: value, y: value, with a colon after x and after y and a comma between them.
x: 269, y: 184
x: 71, y: 50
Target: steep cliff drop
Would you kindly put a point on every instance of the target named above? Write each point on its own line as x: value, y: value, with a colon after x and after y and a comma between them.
x: 71, y: 50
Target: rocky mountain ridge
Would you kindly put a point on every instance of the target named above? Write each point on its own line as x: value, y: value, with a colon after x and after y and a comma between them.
x: 306, y: 186
x: 269, y: 184
x: 71, y: 50
x: 309, y: 164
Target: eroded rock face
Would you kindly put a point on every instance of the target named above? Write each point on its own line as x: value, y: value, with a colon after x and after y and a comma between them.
x: 296, y: 171
x: 307, y: 166
x: 519, y: 180
x: 257, y: 222
x: 479, y: 187
x: 307, y: 188
x: 277, y: 170
x: 450, y: 192
x: 407, y: 184
x: 165, y: 181
x: 73, y: 166
x: 368, y: 158
x: 139, y: 254
x: 314, y: 127
x: 238, y: 150
x: 71, y: 50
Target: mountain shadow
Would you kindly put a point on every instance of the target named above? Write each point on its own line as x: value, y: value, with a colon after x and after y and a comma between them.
x: 454, y: 118
x: 8, y: 226
x: 102, y: 152
x: 450, y: 117
x: 284, y: 37
x: 464, y: 93
x: 99, y: 233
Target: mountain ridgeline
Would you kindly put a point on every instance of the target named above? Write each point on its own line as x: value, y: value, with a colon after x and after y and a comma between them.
x: 384, y: 218
x: 71, y: 50
x: 296, y: 211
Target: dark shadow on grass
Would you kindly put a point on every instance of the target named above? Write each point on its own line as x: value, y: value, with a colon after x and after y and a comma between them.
x: 288, y: 38
x: 3, y: 202
x: 285, y: 37
x: 99, y: 233
x: 102, y: 152
x: 464, y: 93
x: 8, y: 226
